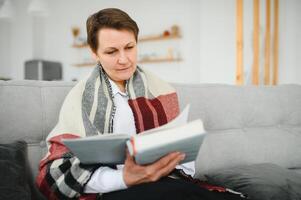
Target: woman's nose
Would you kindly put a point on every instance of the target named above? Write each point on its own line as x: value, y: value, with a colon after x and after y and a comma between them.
x: 122, y: 58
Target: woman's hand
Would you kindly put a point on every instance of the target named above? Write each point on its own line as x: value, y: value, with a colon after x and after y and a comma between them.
x: 134, y: 174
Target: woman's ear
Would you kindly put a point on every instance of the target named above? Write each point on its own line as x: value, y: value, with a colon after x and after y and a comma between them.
x: 94, y: 55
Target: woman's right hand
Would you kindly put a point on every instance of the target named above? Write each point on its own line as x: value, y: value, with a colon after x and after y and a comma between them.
x: 134, y: 174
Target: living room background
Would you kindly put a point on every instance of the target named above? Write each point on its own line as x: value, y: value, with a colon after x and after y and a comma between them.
x: 207, y: 46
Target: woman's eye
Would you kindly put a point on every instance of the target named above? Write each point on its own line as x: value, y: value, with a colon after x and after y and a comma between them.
x: 111, y: 52
x: 130, y: 47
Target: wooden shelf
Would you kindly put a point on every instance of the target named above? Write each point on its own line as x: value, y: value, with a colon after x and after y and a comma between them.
x: 142, y: 39
x: 158, y: 37
x: 158, y: 60
x: 90, y: 64
x: 80, y: 45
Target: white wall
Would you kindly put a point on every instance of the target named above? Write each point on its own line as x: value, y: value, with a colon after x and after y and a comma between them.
x: 16, y: 41
x: 208, y: 45
x: 5, y: 45
x: 289, y: 45
x: 298, y: 56
x: 218, y: 41
x: 186, y: 15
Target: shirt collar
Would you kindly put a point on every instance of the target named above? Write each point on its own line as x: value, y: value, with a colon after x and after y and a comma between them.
x: 116, y: 90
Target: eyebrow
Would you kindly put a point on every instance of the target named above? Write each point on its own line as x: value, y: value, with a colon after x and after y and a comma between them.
x: 114, y: 48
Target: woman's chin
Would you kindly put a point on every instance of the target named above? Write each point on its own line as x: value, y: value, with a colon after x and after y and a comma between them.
x: 122, y: 77
x: 125, y: 75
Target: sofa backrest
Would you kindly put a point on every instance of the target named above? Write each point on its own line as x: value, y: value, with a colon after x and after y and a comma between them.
x: 30, y: 109
x: 223, y: 107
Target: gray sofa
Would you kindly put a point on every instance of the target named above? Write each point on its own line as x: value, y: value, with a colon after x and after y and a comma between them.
x: 246, y: 125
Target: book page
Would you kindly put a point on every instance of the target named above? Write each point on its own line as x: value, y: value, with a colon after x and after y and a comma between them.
x: 181, y: 119
x: 169, y: 136
x: 185, y: 138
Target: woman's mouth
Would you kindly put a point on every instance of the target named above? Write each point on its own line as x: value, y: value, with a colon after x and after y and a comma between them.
x: 123, y: 69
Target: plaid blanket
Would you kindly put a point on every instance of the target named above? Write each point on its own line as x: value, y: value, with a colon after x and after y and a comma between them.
x: 89, y: 110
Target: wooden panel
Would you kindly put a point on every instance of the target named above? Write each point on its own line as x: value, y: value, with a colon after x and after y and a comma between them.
x: 267, y: 44
x: 239, y: 43
x: 255, y: 69
x: 275, y: 42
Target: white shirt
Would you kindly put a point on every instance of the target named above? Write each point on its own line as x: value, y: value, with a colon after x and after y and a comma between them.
x: 106, y: 179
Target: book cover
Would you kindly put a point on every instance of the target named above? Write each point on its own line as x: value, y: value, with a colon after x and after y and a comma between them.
x: 146, y: 147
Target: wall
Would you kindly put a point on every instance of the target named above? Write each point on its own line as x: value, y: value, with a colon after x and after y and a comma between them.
x: 186, y: 15
x: 207, y: 47
x: 5, y: 45
x: 16, y: 41
x: 298, y: 56
x: 289, y: 45
x: 218, y: 41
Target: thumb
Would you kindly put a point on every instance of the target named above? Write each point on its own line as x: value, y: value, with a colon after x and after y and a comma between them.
x: 129, y: 158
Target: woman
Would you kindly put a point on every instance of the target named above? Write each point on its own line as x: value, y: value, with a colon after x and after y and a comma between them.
x: 117, y: 97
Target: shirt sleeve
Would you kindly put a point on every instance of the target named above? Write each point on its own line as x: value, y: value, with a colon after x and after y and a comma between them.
x: 105, y: 180
x: 188, y: 168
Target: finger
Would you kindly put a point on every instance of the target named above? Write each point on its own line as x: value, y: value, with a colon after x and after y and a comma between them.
x: 171, y: 165
x: 162, y: 162
x: 150, y: 171
x: 127, y: 155
x: 129, y: 159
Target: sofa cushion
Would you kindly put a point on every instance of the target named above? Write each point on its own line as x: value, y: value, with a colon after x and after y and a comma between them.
x: 13, y: 183
x: 229, y: 148
x: 16, y: 180
x: 260, y: 181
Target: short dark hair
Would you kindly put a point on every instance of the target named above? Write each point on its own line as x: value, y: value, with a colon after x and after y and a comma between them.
x: 108, y: 18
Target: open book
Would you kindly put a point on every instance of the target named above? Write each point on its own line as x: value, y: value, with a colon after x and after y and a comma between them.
x: 146, y: 147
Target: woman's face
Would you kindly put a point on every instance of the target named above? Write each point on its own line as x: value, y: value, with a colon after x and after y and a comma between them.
x: 117, y: 53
